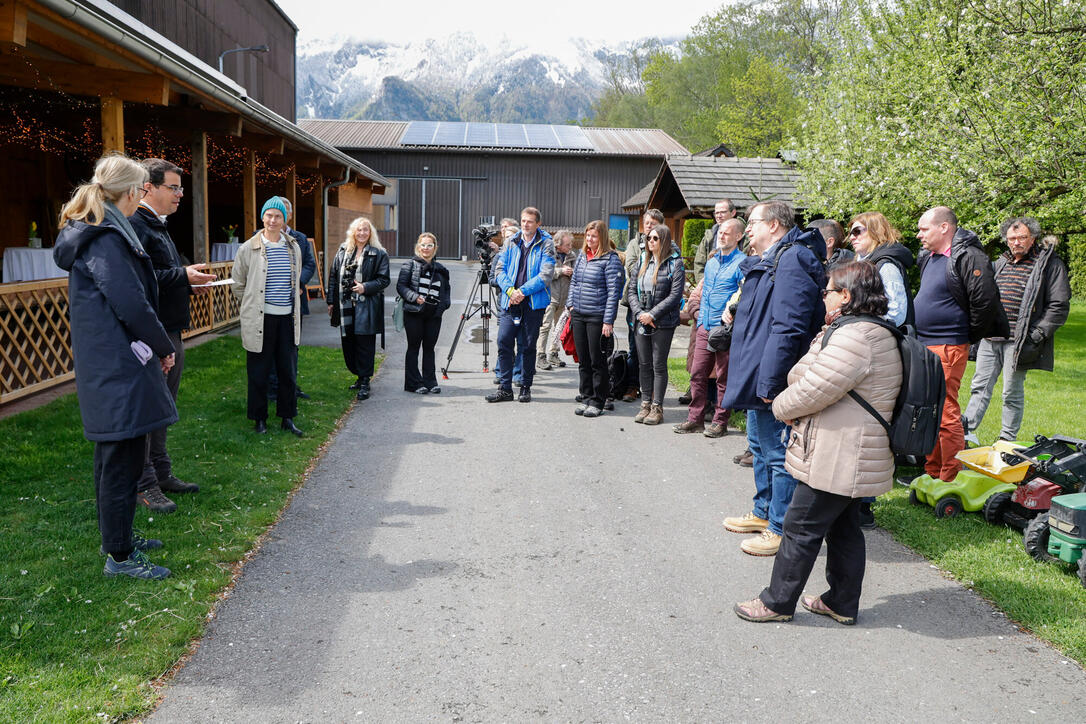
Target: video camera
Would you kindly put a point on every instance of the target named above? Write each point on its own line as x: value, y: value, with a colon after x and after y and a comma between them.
x: 482, y: 234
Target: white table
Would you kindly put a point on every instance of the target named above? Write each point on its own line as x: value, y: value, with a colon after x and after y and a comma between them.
x: 224, y: 252
x: 23, y: 264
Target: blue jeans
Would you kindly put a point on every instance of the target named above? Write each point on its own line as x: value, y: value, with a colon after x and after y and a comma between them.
x: 773, y: 486
x: 522, y: 337
x: 518, y: 361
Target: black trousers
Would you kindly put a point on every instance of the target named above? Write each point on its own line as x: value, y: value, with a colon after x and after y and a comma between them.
x: 633, y: 361
x: 157, y: 464
x: 422, y: 330
x: 277, y: 352
x: 652, y: 351
x: 814, y: 516
x: 273, y: 376
x: 588, y: 338
x: 359, y: 351
x: 117, y: 468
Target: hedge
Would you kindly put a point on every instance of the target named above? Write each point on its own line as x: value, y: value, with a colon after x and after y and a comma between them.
x: 693, y: 231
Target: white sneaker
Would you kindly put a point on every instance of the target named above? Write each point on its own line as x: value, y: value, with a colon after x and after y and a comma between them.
x: 971, y: 439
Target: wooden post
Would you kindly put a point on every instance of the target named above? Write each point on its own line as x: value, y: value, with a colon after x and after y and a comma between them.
x: 198, y: 192
x: 248, y: 193
x: 112, y: 125
x: 292, y: 194
x: 318, y: 221
x: 13, y: 22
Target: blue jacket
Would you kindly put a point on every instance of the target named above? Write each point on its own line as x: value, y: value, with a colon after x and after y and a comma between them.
x: 778, y: 316
x: 113, y: 297
x: 537, y: 287
x: 718, y: 283
x: 596, y: 285
x: 309, y: 265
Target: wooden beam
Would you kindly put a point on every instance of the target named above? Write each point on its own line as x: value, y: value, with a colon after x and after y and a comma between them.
x: 264, y: 144
x: 318, y: 222
x: 112, y: 125
x: 248, y: 193
x: 78, y: 79
x: 310, y: 161
x: 181, y: 118
x: 12, y: 22
x: 292, y: 191
x: 201, y: 239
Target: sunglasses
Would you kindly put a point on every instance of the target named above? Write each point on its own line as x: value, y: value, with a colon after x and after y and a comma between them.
x: 655, y: 238
x: 856, y: 231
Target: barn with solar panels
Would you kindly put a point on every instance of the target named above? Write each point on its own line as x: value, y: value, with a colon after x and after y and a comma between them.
x: 448, y: 177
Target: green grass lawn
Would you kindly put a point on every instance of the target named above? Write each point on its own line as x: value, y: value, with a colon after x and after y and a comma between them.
x: 1047, y: 599
x: 75, y: 646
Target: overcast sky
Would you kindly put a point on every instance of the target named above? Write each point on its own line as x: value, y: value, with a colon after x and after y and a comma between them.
x: 398, y: 21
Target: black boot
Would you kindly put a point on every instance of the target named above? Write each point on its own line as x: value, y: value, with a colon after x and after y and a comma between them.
x: 260, y: 427
x: 288, y: 425
x: 363, y: 389
x: 357, y: 384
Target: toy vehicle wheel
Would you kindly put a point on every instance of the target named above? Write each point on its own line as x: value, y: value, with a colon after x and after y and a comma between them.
x: 993, y: 508
x: 948, y: 507
x: 1035, y: 539
x: 913, y: 498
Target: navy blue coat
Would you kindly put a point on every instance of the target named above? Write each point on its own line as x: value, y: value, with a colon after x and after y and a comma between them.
x: 596, y: 285
x: 778, y: 316
x: 113, y: 300
x: 309, y: 265
x: 173, y: 280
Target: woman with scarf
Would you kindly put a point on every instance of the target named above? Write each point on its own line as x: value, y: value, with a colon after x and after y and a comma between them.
x: 423, y: 285
x: 355, y: 293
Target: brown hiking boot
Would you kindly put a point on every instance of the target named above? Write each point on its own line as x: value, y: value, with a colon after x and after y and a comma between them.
x: 744, y: 459
x: 643, y: 412
x: 684, y: 428
x: 656, y: 415
x: 154, y: 499
x: 631, y: 394
x: 716, y: 429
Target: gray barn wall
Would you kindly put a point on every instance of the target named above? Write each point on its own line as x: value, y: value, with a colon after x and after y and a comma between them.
x: 498, y: 185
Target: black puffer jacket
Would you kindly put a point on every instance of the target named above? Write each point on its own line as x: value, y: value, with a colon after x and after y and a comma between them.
x: 113, y: 297
x: 971, y: 282
x: 899, y: 255
x: 663, y: 301
x: 173, y: 281
x: 407, y: 284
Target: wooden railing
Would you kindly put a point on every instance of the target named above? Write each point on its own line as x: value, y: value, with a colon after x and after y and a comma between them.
x: 35, y: 338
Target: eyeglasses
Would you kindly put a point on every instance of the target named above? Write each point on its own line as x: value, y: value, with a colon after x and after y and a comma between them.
x: 827, y: 292
x: 143, y: 191
x: 752, y: 222
x: 856, y: 231
x: 179, y: 190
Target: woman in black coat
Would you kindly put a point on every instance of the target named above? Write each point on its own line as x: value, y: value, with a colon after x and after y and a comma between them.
x: 120, y: 348
x: 423, y: 285
x: 654, y: 296
x: 356, y: 299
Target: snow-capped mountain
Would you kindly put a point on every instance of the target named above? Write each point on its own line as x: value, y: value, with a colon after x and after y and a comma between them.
x: 459, y: 77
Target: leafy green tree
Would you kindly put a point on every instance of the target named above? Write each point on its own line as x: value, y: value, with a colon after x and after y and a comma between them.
x: 765, y: 111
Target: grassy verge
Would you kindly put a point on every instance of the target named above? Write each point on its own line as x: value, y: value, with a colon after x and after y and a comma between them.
x: 75, y: 646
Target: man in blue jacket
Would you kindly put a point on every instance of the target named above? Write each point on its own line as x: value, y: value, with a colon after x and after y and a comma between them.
x: 525, y: 269
x: 780, y: 311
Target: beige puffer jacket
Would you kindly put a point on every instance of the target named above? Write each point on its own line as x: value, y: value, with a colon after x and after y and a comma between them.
x: 835, y: 445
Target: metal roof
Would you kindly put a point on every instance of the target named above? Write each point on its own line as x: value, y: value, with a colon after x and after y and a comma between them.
x: 495, y: 135
x: 703, y: 181
x: 386, y: 135
x: 641, y: 198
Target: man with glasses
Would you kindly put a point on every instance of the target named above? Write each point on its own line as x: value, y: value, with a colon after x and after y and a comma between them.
x: 780, y: 311
x: 162, y: 196
x: 722, y: 211
x: 721, y: 280
x: 1035, y: 294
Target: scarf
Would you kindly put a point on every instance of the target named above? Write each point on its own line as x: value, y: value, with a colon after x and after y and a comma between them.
x: 121, y: 222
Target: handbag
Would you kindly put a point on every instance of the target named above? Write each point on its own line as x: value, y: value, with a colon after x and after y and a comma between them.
x: 397, y: 314
x: 566, y: 338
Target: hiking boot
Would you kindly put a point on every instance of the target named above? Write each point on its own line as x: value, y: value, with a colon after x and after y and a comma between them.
x: 542, y: 364
x: 748, y: 523
x: 173, y: 484
x: 556, y: 363
x: 716, y: 429
x: 591, y: 411
x: 744, y: 459
x: 686, y: 398
x: 154, y: 499
x: 525, y: 394
x: 500, y: 395
x: 643, y: 412
x: 656, y: 415
x: 767, y: 543
x: 684, y: 428
x: 137, y: 566
x: 139, y: 543
x: 631, y: 394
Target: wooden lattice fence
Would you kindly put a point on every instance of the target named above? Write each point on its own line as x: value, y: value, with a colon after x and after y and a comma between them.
x: 35, y: 338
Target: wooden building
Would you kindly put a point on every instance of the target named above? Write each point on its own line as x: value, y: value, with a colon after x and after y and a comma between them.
x: 79, y: 78
x: 447, y: 178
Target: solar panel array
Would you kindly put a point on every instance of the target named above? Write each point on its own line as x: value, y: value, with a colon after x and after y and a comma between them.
x: 495, y: 135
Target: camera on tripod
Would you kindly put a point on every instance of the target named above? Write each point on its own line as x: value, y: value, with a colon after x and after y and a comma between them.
x: 482, y: 234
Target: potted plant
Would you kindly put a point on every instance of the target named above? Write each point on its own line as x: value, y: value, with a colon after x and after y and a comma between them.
x: 231, y: 233
x: 34, y: 240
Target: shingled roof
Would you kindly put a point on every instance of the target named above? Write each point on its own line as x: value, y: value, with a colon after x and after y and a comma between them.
x: 702, y: 181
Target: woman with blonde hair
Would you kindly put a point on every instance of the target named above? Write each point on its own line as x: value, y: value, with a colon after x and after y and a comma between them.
x: 594, y: 291
x: 423, y: 285
x: 355, y: 293
x: 266, y: 272
x: 877, y: 242
x: 121, y: 351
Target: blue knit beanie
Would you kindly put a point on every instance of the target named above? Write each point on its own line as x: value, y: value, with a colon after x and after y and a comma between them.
x: 274, y: 203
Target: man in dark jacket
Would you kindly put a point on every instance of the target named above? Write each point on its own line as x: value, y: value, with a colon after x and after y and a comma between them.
x: 175, y: 285
x: 780, y: 311
x: 1036, y: 296
x: 309, y: 266
x: 957, y: 305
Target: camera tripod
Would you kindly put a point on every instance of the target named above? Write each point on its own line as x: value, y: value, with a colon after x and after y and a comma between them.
x: 481, y: 302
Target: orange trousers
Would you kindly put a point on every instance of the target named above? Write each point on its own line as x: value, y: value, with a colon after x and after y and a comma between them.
x: 941, y: 463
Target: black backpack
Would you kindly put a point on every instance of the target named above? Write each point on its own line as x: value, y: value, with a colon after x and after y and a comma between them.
x: 618, y: 371
x: 914, y: 426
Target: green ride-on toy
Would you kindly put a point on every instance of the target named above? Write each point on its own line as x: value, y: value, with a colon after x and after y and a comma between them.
x: 967, y: 492
x: 1060, y: 534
